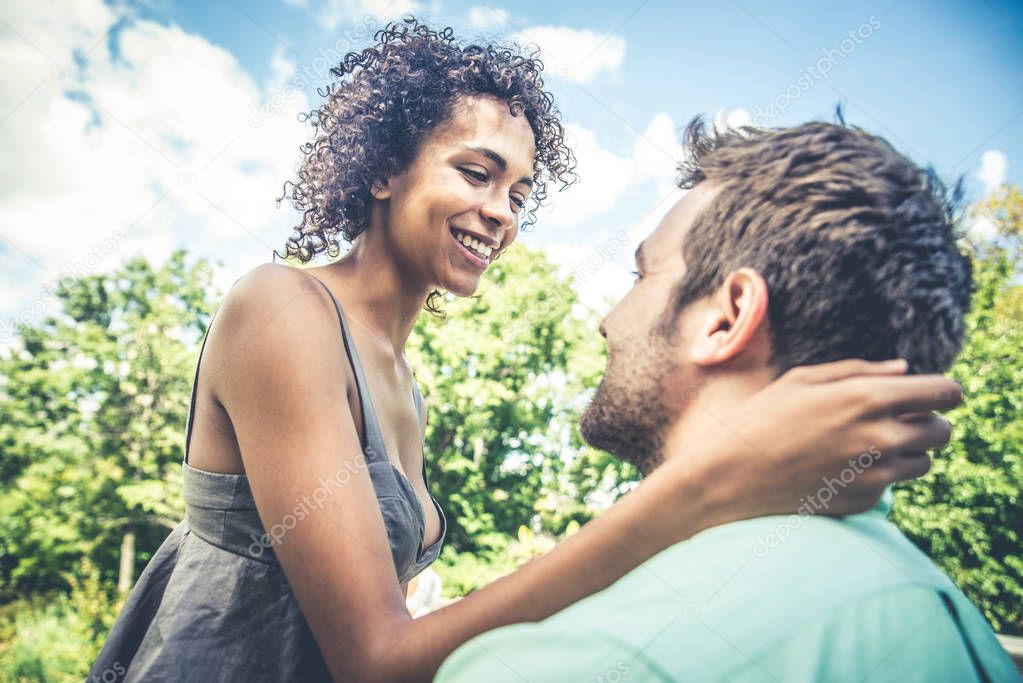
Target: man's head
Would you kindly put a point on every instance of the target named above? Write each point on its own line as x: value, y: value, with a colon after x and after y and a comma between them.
x: 793, y: 246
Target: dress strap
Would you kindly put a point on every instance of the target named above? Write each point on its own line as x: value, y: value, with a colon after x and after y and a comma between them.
x: 418, y: 398
x: 431, y: 554
x: 195, y: 385
x: 373, y: 447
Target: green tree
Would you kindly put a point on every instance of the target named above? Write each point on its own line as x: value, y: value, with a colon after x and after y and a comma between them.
x: 504, y: 374
x: 93, y: 403
x: 966, y: 513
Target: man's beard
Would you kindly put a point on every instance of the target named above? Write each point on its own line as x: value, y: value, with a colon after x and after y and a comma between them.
x: 628, y: 415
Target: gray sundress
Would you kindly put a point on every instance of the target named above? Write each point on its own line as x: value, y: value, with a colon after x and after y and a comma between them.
x: 213, y: 604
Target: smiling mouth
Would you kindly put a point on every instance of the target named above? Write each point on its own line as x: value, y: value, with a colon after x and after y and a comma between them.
x: 473, y: 247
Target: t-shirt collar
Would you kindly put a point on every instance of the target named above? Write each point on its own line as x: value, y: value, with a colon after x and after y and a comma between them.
x: 884, y: 506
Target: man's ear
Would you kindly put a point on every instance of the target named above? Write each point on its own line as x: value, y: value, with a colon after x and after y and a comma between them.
x: 380, y: 189
x: 731, y: 320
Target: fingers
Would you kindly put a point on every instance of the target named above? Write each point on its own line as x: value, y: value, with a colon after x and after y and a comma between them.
x: 844, y: 369
x: 912, y: 417
x: 919, y: 435
x: 907, y: 395
x: 870, y: 485
x: 906, y: 467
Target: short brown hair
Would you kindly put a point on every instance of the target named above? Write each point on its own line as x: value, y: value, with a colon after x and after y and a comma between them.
x: 856, y: 243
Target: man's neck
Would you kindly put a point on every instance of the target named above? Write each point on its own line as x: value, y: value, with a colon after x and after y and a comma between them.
x: 711, y: 408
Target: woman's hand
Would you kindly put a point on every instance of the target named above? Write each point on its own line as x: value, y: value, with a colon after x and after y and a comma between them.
x: 826, y: 439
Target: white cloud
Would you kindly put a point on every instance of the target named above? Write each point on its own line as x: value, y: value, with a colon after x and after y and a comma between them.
x: 575, y: 54
x: 603, y: 176
x: 601, y: 270
x: 171, y: 144
x: 336, y: 11
x: 487, y: 17
x: 992, y: 169
x: 598, y: 280
x: 657, y: 152
x: 734, y: 118
x: 981, y: 228
x: 281, y: 69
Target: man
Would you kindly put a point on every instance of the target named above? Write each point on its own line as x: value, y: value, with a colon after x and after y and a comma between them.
x: 793, y: 246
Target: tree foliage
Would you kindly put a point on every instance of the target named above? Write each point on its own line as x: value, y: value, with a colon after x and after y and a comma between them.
x: 93, y: 400
x: 504, y: 374
x: 966, y: 513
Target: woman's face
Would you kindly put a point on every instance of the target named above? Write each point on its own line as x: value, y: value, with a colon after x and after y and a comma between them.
x: 458, y: 203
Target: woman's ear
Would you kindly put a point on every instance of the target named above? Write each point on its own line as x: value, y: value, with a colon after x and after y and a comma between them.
x: 731, y: 320
x: 380, y: 189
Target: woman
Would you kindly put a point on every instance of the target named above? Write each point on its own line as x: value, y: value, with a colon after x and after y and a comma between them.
x: 307, y: 504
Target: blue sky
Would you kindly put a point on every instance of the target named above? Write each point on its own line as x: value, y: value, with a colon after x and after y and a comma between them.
x: 134, y: 123
x: 942, y: 80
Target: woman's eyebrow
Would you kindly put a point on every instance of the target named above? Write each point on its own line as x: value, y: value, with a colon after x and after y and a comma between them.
x: 497, y: 159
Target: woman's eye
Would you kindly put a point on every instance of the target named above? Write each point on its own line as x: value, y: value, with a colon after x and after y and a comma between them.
x: 636, y: 275
x: 518, y: 203
x: 475, y: 175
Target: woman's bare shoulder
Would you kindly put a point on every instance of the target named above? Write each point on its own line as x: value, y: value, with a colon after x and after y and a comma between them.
x: 275, y: 293
x: 278, y: 319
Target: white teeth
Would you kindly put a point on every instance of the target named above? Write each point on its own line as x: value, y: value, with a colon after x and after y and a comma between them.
x: 474, y: 244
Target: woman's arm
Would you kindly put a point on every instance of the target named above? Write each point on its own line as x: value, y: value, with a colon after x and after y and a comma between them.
x: 802, y: 428
x: 285, y: 389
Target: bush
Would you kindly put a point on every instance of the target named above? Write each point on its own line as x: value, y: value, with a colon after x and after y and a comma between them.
x: 58, y: 636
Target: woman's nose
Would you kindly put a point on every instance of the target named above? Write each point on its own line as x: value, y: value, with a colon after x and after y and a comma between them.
x: 498, y: 214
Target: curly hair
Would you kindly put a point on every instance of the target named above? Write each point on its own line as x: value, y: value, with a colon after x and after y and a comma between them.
x: 857, y: 244
x: 382, y: 104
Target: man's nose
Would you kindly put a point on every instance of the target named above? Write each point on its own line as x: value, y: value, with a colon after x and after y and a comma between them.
x: 602, y: 328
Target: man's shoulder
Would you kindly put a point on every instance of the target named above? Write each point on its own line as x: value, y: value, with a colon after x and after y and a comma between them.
x: 768, y: 575
x: 792, y: 568
x: 801, y: 552
x: 771, y: 578
x: 805, y: 588
x: 791, y: 594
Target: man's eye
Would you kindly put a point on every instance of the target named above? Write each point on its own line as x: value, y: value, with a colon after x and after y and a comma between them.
x: 636, y: 275
x: 475, y: 175
x: 518, y: 203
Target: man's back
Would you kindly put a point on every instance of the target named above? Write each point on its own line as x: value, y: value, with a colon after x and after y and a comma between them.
x: 770, y: 599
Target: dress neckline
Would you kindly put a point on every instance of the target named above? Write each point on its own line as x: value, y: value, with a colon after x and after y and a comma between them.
x: 423, y: 550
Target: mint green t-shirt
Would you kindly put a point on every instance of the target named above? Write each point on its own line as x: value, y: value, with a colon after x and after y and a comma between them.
x: 774, y: 599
